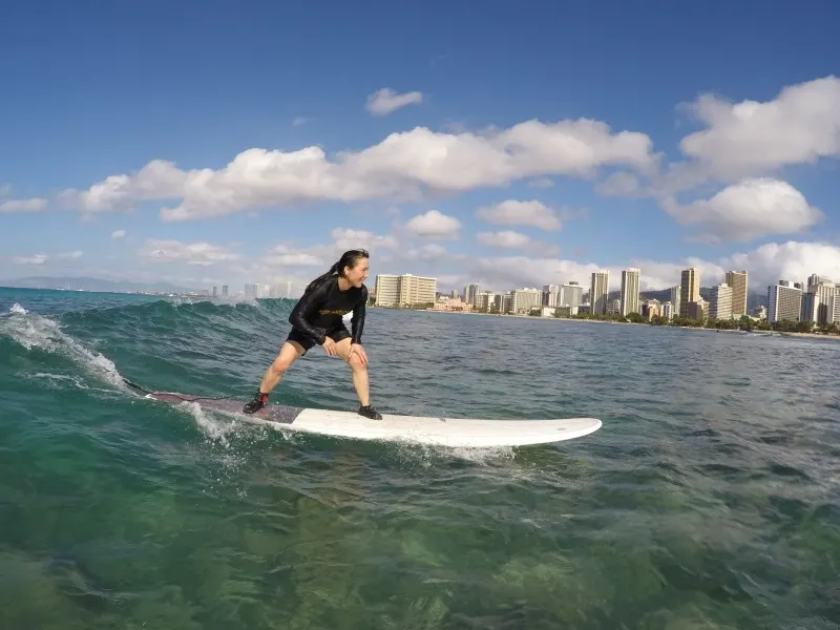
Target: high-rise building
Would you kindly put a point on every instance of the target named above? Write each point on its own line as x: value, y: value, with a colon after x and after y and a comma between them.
x: 629, y: 292
x: 526, y: 299
x: 571, y: 295
x: 485, y: 301
x: 720, y: 302
x: 471, y: 291
x: 224, y: 290
x: 689, y: 289
x: 551, y: 292
x: 599, y: 292
x: 675, y: 300
x: 404, y: 289
x: 809, y: 309
x: 824, y: 291
x: 784, y: 301
x: 738, y: 281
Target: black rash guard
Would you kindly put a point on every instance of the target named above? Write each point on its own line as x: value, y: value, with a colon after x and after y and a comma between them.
x: 321, y: 310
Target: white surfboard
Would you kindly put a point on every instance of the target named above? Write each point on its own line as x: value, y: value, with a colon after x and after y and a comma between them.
x: 440, y: 431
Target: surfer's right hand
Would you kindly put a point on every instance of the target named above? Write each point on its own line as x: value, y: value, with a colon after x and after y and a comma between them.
x: 329, y: 346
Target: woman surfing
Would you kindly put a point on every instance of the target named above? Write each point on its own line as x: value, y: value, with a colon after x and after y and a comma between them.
x: 317, y: 319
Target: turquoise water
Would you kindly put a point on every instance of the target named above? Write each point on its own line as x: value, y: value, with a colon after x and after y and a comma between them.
x: 709, y: 499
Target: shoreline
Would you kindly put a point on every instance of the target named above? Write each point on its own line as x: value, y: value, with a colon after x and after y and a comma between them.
x: 762, y: 333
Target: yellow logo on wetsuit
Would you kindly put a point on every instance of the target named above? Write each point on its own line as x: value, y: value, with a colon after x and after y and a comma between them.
x: 337, y: 311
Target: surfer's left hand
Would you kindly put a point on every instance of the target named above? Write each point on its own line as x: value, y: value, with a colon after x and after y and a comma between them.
x: 356, y: 348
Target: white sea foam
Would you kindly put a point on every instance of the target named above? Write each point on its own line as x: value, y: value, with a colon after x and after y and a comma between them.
x: 34, y: 331
x: 212, y: 428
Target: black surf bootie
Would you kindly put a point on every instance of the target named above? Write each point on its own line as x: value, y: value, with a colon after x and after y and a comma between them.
x: 368, y: 411
x: 257, y: 403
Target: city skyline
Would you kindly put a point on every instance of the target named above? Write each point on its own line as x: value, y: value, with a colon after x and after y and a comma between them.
x: 258, y: 172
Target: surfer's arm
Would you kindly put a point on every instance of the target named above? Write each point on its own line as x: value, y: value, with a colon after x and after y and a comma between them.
x: 306, y: 306
x: 358, y: 321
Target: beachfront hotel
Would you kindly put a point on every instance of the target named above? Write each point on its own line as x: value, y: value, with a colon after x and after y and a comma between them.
x: 629, y: 292
x: 404, y: 289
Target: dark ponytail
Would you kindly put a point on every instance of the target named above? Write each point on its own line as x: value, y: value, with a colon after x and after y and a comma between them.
x: 348, y: 259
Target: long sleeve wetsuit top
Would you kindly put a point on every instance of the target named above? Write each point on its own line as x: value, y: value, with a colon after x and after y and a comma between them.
x: 321, y: 310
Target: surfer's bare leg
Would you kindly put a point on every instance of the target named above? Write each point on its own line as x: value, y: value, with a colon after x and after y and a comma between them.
x: 289, y: 352
x: 360, y: 378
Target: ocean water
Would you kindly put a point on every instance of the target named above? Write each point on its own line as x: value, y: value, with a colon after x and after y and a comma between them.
x: 710, y: 498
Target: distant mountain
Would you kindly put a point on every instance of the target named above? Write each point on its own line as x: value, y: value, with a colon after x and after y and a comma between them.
x: 92, y: 284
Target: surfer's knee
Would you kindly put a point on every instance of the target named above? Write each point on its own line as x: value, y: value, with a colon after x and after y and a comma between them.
x: 356, y: 363
x: 288, y: 353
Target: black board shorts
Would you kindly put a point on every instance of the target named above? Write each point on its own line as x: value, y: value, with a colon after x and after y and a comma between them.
x: 336, y: 334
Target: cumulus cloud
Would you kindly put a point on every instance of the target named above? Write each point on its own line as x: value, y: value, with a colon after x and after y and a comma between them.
x: 387, y: 100
x: 506, y: 239
x: 433, y: 224
x: 22, y: 205
x: 116, y: 234
x: 203, y: 254
x: 37, y: 259
x: 799, y: 126
x: 402, y: 166
x: 43, y: 259
x: 766, y: 265
x: 748, y: 210
x: 324, y: 255
x: 526, y: 213
x: 792, y: 260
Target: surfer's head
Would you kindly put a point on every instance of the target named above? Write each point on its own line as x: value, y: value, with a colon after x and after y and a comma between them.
x: 353, y: 266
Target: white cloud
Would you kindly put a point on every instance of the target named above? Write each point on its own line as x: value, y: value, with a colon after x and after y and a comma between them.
x: 766, y: 265
x: 529, y: 213
x: 433, y: 224
x: 286, y: 256
x: 347, y: 238
x: 37, y: 259
x: 22, y: 205
x: 792, y: 260
x: 402, y: 166
x: 387, y: 101
x: 799, y: 126
x: 191, y: 253
x: 541, y: 182
x: 427, y: 252
x: 118, y: 234
x: 748, y: 210
x: 343, y: 239
x: 300, y: 120
x: 506, y: 239
x: 620, y: 184
x: 43, y: 259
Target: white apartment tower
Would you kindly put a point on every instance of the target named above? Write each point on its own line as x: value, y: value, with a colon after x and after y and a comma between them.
x: 404, y: 290
x: 523, y: 300
x: 599, y: 291
x: 629, y: 292
x: 675, y: 300
x: 784, y: 302
x: 738, y: 281
x: 720, y: 302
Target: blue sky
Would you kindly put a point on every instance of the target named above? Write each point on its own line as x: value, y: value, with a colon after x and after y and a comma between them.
x: 538, y: 140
